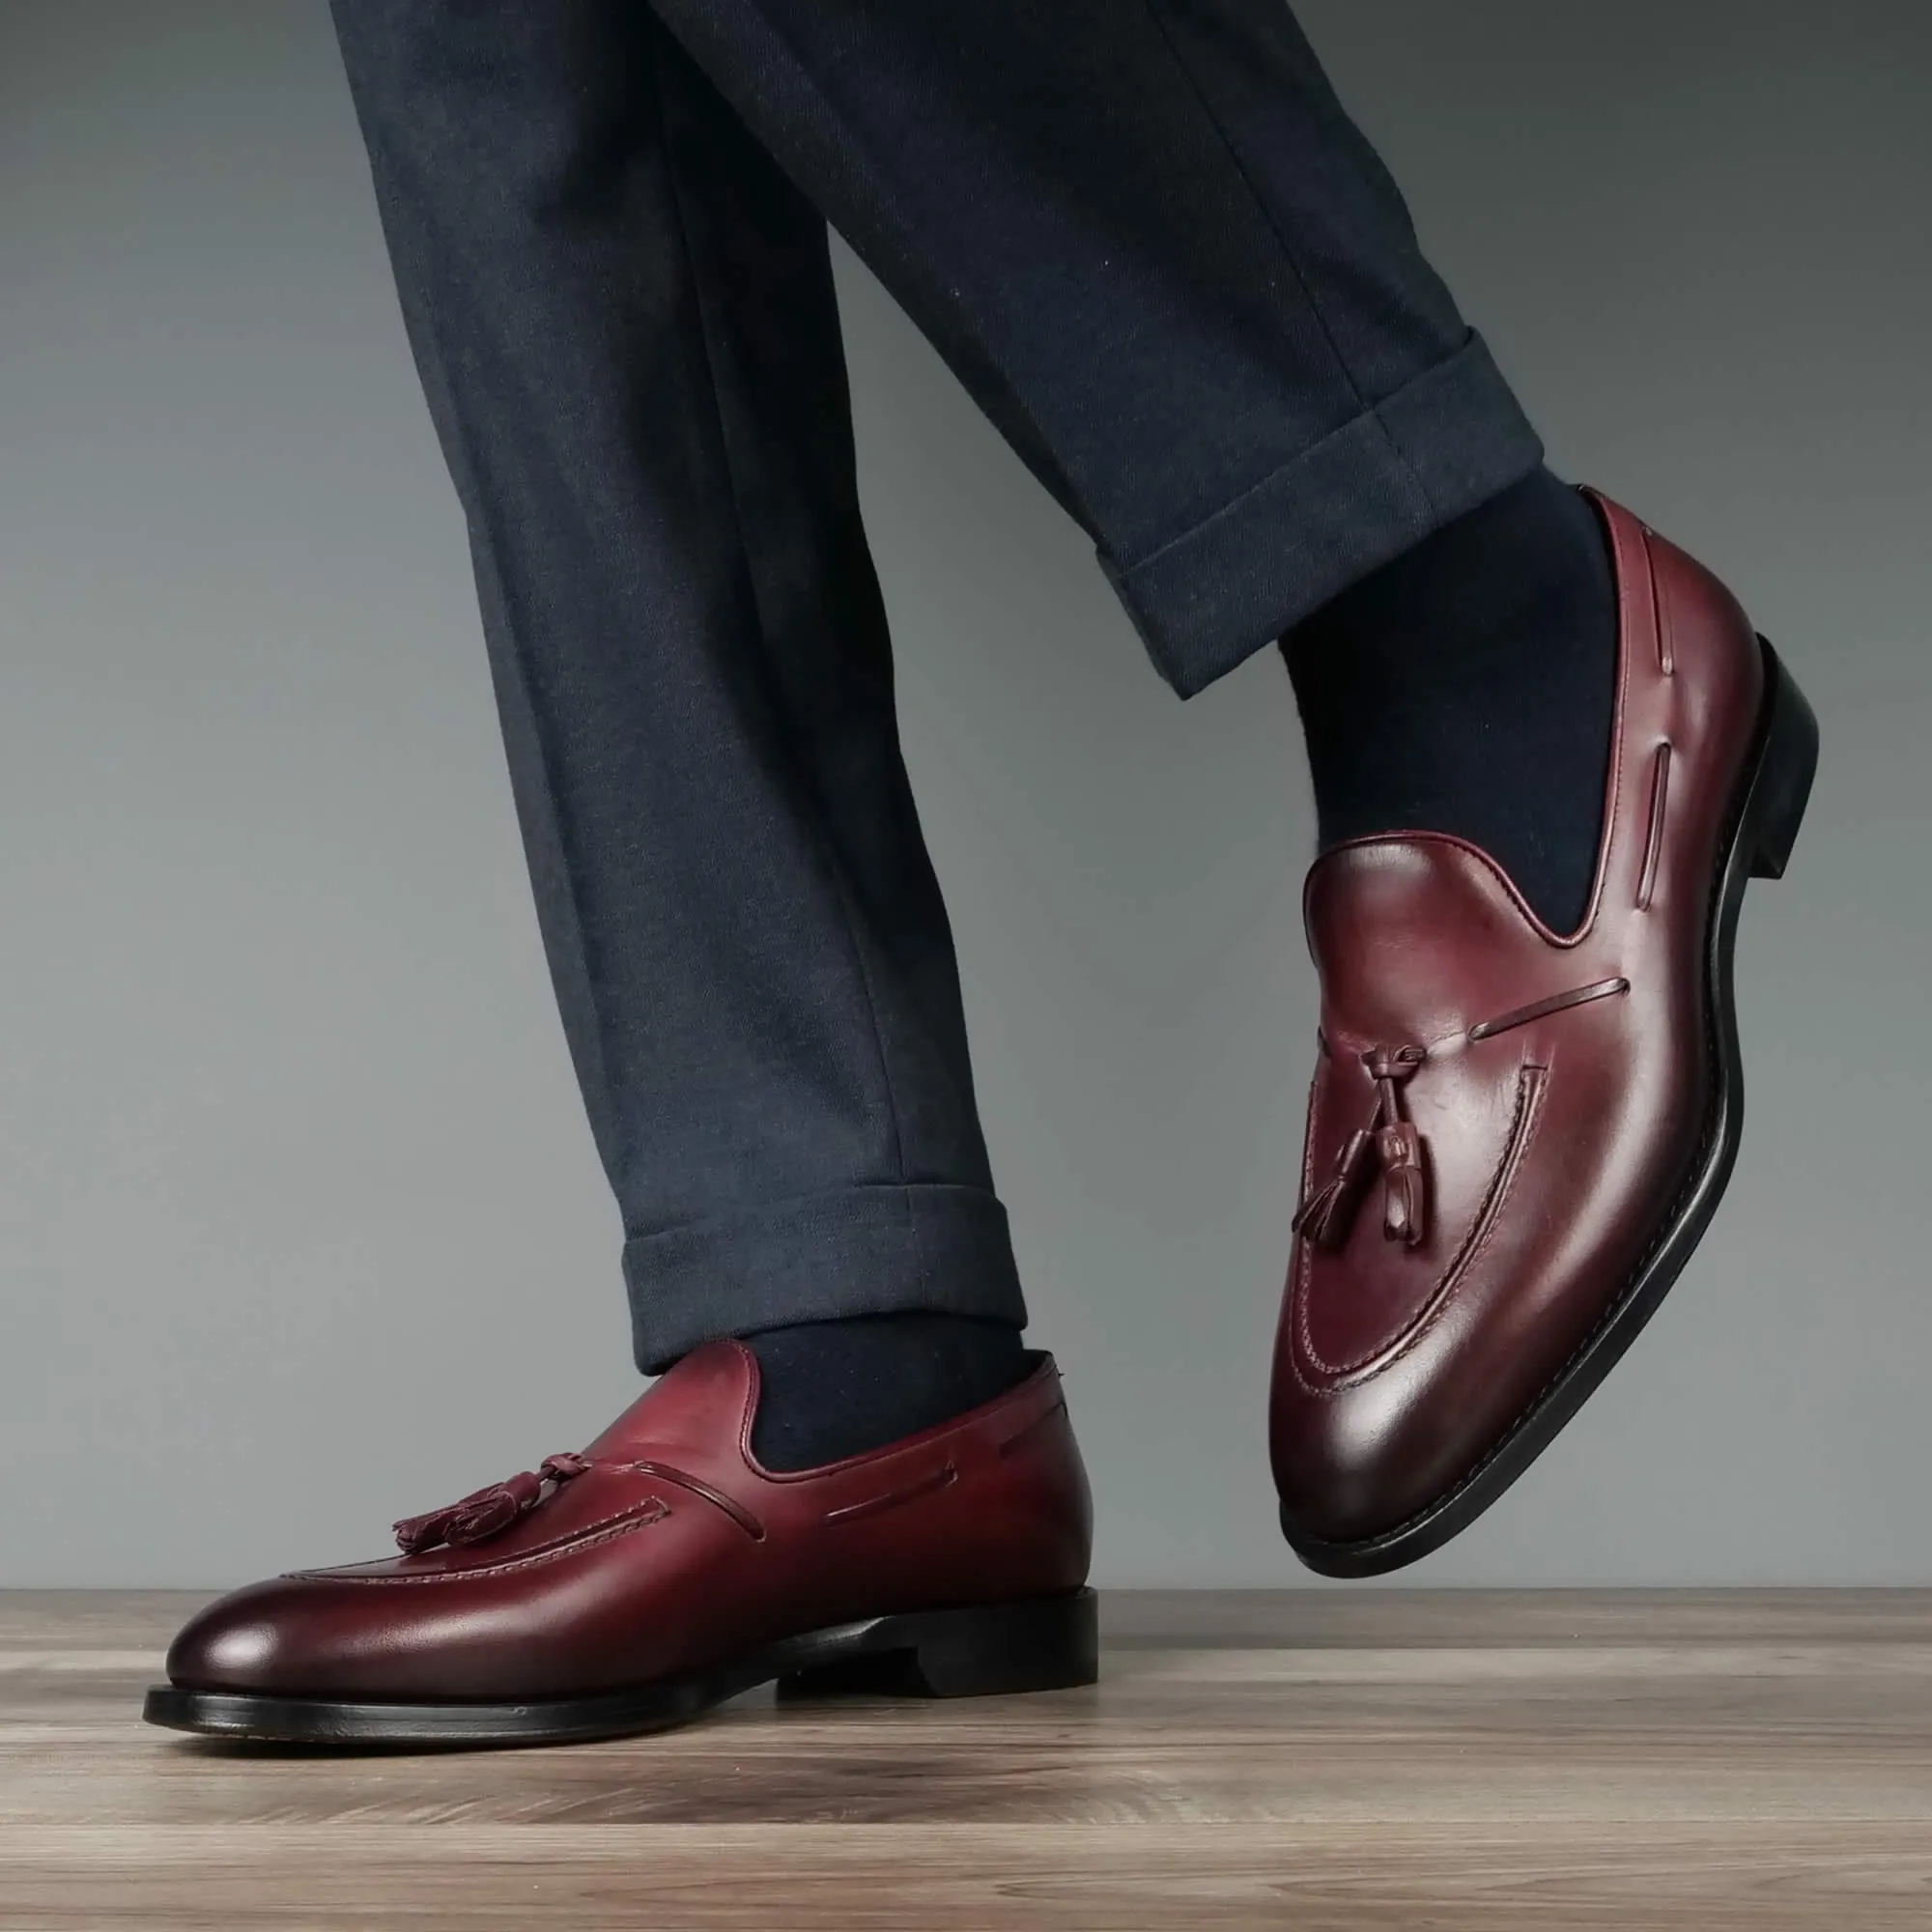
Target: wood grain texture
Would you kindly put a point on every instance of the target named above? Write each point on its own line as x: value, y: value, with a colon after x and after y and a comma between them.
x: 1461, y: 1761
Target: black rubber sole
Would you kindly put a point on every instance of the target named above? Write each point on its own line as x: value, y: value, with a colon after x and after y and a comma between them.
x: 1042, y: 1644
x: 1765, y: 821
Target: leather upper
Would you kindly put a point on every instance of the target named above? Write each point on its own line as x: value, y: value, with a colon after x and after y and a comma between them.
x: 668, y: 1550
x: 1472, y: 1216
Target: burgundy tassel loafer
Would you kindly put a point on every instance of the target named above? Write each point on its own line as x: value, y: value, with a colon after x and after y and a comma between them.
x: 1515, y: 1138
x: 662, y: 1570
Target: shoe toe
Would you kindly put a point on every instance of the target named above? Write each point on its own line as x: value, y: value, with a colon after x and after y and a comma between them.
x: 253, y: 1640
x: 1346, y: 1466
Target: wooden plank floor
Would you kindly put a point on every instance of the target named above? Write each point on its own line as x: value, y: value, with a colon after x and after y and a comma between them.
x: 1319, y: 1760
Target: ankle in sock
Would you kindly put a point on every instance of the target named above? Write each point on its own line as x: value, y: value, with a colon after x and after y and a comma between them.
x: 833, y: 1389
x: 1469, y: 687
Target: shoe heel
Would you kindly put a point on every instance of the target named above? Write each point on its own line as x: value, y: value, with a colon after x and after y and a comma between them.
x: 991, y: 1650
x: 1787, y: 767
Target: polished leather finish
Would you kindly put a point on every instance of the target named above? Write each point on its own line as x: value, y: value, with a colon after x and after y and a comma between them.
x: 1561, y: 1094
x: 671, y: 1553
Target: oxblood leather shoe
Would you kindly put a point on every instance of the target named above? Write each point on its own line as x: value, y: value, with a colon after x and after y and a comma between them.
x: 1516, y: 1139
x: 663, y: 1571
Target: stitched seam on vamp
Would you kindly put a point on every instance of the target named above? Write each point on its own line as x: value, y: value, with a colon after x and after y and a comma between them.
x: 1528, y: 1104
x: 1298, y: 1288
x: 549, y: 1553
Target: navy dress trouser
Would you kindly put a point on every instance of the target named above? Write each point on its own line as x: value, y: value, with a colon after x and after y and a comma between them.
x: 1147, y: 239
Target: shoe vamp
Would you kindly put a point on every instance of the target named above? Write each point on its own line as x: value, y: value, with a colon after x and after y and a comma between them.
x: 1550, y: 1156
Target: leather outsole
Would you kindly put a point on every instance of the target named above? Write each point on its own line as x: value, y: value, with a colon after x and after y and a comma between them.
x: 1044, y: 1643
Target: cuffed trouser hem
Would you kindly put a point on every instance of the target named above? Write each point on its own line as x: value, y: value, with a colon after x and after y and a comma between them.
x: 1443, y: 445
x: 928, y: 1249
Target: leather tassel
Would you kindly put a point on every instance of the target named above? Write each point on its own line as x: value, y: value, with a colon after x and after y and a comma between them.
x: 491, y: 1511
x: 1327, y: 1216
x: 1406, y: 1187
x: 421, y: 1532
x: 1388, y: 1140
x: 486, y: 1513
x: 425, y: 1532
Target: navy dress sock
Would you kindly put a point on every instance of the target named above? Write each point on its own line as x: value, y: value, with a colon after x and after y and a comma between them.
x: 833, y: 1389
x: 1468, y: 687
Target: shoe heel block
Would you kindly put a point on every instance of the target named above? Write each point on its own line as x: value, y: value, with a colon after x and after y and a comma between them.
x: 1786, y: 766
x: 983, y: 1650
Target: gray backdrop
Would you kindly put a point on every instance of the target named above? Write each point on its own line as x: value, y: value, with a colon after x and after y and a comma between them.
x: 300, y: 1224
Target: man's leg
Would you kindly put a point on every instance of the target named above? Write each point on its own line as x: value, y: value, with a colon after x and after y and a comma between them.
x: 625, y: 321
x: 1147, y: 237
x: 1153, y: 245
